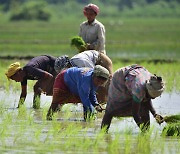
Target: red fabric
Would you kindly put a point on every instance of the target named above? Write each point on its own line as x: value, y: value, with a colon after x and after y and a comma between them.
x: 61, y: 91
x: 59, y: 81
x: 93, y: 7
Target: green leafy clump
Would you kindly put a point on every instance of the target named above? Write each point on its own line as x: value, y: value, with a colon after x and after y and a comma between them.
x: 172, y: 118
x: 172, y: 129
x: 78, y: 42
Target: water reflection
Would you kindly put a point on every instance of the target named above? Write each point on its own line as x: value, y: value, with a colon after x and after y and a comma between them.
x: 126, y: 128
x: 167, y: 104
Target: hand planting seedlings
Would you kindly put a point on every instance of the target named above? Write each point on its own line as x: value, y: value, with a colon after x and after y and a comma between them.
x: 40, y: 68
x: 130, y: 93
x: 76, y: 85
x: 88, y: 58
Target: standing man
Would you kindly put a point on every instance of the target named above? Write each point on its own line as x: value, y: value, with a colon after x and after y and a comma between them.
x: 92, y: 31
x: 130, y: 93
x: 40, y: 68
x: 76, y: 85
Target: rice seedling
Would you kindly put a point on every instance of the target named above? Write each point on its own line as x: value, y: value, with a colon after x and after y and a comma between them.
x: 78, y: 42
x: 172, y: 129
x: 26, y: 130
x: 172, y: 118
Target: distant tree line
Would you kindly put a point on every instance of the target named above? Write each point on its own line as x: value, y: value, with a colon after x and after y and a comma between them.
x: 8, y: 4
x: 44, y: 9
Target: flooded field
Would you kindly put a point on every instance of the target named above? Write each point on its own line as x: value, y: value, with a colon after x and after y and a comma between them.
x: 26, y: 130
x: 150, y: 42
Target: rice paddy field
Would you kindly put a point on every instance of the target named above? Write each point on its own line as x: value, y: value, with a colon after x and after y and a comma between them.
x: 153, y: 43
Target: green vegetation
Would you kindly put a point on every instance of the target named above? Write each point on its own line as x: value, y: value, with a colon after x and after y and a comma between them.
x: 169, y: 71
x: 172, y: 129
x: 172, y: 119
x: 145, y: 32
x: 138, y: 38
x: 78, y: 42
x: 24, y: 130
x: 31, y: 11
x: 113, y: 8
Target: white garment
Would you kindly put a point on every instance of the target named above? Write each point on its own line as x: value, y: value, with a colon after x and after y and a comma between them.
x: 85, y: 59
x: 93, y: 34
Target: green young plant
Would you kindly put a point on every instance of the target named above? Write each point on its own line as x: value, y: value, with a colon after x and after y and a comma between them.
x: 172, y: 118
x: 172, y: 129
x: 78, y: 42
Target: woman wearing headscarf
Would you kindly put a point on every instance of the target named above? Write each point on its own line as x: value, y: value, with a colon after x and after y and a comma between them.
x: 92, y: 31
x: 75, y: 85
x: 130, y: 93
x: 89, y: 58
x: 40, y: 68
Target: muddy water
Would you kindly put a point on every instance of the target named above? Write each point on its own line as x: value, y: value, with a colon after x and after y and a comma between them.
x: 167, y: 104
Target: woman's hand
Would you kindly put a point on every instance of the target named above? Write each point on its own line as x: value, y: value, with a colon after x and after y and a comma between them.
x: 159, y: 118
x: 99, y: 108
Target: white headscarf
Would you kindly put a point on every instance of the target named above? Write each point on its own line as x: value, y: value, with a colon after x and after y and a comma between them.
x: 155, y: 86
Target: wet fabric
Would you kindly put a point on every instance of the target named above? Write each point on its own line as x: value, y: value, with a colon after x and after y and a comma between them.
x: 123, y: 90
x: 80, y: 83
x: 93, y: 34
x: 85, y: 59
x: 61, y: 90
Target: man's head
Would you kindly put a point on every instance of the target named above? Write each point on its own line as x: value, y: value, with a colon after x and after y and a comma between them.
x: 155, y: 86
x: 61, y: 63
x: 14, y: 72
x: 91, y: 11
x: 100, y: 75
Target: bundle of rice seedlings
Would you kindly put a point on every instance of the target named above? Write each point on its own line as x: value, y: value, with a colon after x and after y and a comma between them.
x: 172, y: 119
x: 172, y: 129
x: 78, y: 42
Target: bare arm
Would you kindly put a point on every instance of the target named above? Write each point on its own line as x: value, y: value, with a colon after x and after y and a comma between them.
x: 150, y: 107
x: 135, y: 112
x: 106, y: 62
x: 23, y: 95
x: 159, y: 118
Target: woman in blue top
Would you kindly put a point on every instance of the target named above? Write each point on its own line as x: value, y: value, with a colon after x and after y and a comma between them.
x: 76, y: 85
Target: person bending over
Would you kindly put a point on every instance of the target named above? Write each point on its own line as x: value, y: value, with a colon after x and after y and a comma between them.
x: 40, y: 68
x: 130, y: 93
x: 89, y: 58
x: 75, y: 85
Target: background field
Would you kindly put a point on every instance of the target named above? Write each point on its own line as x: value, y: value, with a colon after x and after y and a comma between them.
x: 137, y: 38
x: 152, y: 42
x: 146, y: 32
